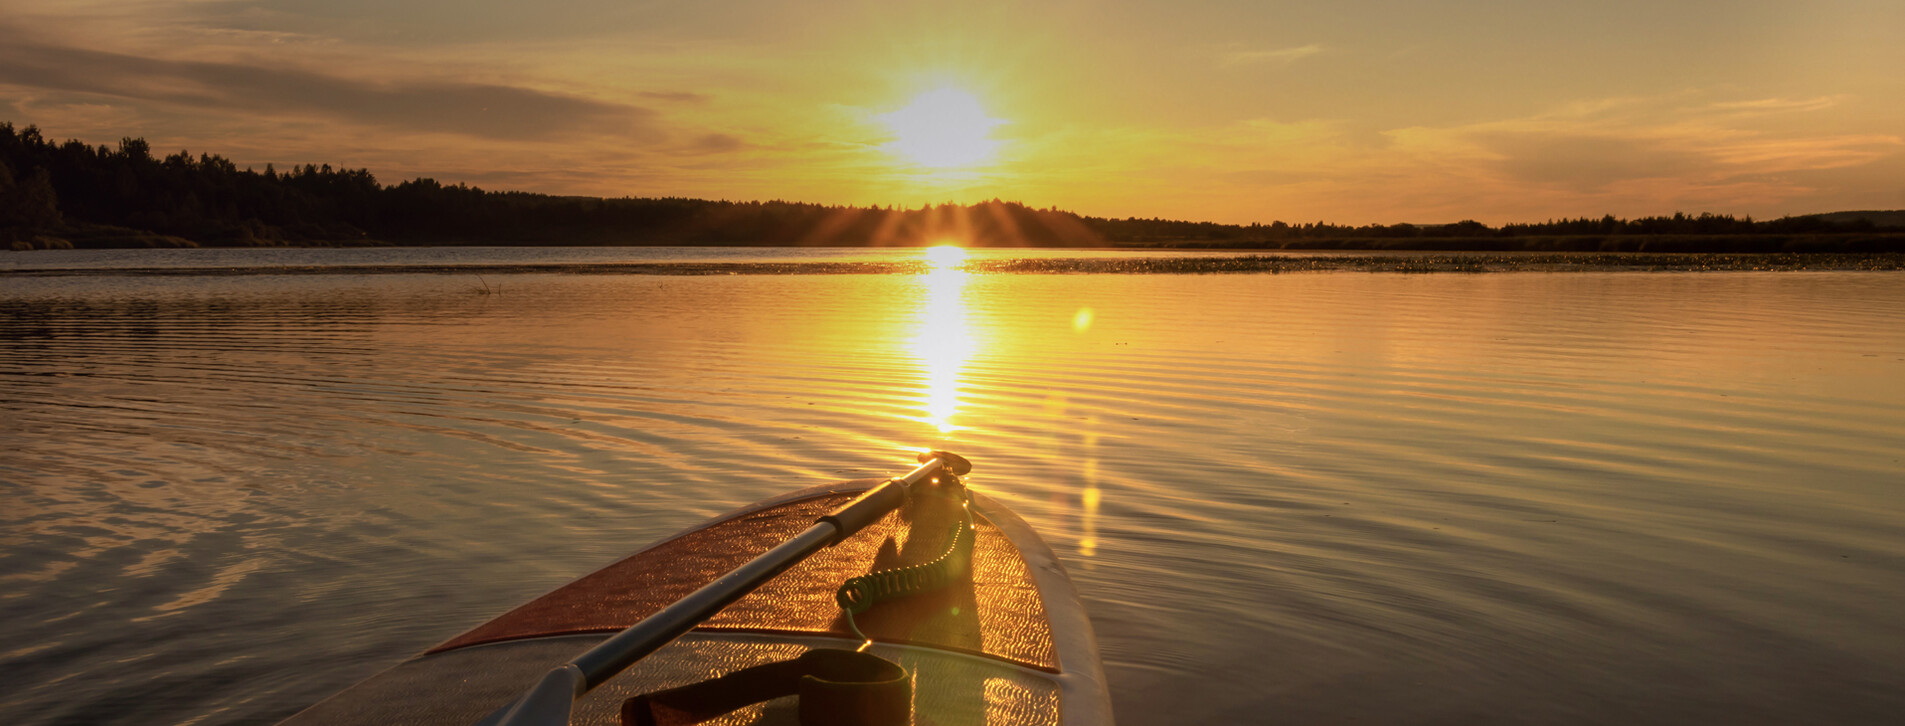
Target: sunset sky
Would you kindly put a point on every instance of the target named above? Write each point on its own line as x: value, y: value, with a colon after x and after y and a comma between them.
x: 1349, y: 111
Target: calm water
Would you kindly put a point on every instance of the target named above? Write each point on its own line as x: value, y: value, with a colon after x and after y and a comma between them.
x: 1301, y: 498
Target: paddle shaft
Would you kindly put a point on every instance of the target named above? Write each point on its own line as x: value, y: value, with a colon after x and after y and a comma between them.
x: 619, y: 652
x: 612, y: 656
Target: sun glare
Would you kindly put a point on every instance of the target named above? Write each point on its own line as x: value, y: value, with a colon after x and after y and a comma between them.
x: 945, y: 257
x: 943, y: 128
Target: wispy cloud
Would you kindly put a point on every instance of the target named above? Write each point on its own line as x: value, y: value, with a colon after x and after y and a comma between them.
x: 1674, y: 138
x: 714, y: 144
x: 1778, y: 105
x: 483, y: 110
x: 676, y: 96
x: 1655, y: 155
x: 1587, y: 161
x: 1629, y: 156
x: 1277, y: 56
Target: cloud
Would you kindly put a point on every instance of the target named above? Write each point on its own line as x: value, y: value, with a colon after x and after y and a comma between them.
x: 715, y: 144
x: 676, y: 96
x: 1587, y: 162
x: 1635, y: 156
x: 1778, y: 105
x: 1648, y: 155
x: 1671, y: 139
x: 1278, y: 56
x: 439, y: 106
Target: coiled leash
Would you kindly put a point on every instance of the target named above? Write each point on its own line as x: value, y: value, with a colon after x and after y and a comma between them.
x: 835, y: 687
x: 859, y: 594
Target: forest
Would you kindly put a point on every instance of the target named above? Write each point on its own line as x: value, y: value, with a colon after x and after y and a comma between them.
x: 71, y: 194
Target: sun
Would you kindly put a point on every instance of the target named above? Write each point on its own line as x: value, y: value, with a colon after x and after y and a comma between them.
x: 945, y: 256
x: 943, y: 128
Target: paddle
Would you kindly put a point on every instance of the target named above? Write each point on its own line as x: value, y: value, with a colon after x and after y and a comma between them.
x: 549, y: 701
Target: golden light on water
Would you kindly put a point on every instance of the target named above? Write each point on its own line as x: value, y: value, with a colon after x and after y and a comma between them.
x: 1081, y: 321
x: 945, y: 341
x: 1092, y: 496
x: 943, y: 128
x: 1088, y: 503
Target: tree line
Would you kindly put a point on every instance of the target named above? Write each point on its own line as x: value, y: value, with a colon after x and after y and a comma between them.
x: 74, y: 194
x: 1137, y: 230
x: 98, y: 196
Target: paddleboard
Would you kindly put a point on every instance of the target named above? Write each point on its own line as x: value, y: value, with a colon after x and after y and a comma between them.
x: 1007, y: 642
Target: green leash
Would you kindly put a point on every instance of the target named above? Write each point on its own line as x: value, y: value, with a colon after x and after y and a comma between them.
x: 858, y: 594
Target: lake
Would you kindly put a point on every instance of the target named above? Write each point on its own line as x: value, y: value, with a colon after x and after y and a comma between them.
x: 1530, y: 497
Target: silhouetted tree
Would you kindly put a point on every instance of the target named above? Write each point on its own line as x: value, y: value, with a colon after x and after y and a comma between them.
x: 28, y: 205
x: 208, y: 199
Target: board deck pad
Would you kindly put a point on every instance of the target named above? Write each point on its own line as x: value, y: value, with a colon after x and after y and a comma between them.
x: 1006, y: 643
x: 995, y: 610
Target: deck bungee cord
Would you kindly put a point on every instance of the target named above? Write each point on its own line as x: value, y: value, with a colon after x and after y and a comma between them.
x: 858, y: 594
x: 834, y: 687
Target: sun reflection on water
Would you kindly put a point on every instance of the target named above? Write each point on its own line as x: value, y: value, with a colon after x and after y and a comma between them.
x: 945, y: 341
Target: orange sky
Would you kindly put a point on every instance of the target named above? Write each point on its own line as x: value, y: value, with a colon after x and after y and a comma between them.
x: 1351, y: 111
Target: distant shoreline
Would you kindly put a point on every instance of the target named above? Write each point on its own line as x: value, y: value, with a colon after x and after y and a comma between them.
x: 1763, y: 243
x: 76, y: 196
x: 1838, y: 243
x: 1259, y: 263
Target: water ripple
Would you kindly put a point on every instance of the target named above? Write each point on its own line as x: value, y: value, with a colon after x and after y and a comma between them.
x: 1558, y: 498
